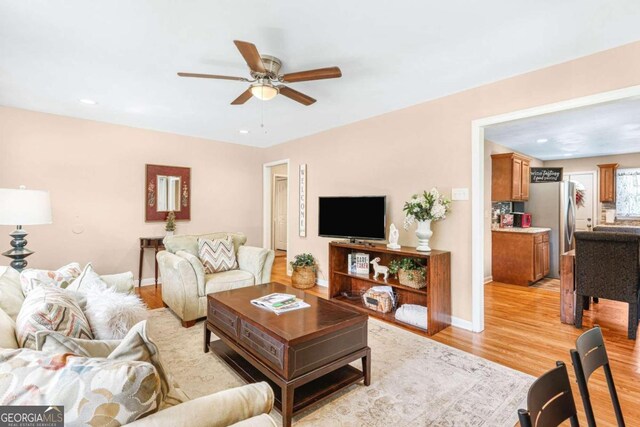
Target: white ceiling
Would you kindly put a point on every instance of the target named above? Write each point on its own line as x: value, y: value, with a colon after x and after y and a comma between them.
x: 125, y: 54
x: 597, y: 130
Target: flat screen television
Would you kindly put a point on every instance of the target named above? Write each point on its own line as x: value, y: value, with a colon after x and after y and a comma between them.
x: 352, y: 217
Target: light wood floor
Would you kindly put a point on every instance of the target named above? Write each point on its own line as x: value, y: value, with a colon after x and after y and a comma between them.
x: 523, y: 331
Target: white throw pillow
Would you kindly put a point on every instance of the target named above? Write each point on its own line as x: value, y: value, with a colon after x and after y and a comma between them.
x: 50, y: 308
x: 32, y: 278
x: 217, y: 255
x: 112, y: 314
x: 11, y: 296
x: 87, y: 279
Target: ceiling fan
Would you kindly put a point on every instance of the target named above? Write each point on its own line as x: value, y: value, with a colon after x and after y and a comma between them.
x: 266, y: 78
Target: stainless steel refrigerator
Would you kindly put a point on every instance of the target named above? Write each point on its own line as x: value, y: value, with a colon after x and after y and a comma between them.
x: 553, y: 205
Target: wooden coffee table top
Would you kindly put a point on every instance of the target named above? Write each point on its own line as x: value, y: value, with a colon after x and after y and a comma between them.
x: 322, y: 317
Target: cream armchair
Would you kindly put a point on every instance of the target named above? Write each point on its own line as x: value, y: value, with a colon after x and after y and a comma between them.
x: 184, y: 283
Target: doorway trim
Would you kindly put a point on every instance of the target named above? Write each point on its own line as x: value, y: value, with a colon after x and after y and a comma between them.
x: 267, y: 188
x: 477, y: 182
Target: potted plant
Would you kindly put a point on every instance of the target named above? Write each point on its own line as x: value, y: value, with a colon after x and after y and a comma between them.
x: 170, y: 226
x: 409, y: 271
x: 305, y: 271
x: 424, y: 208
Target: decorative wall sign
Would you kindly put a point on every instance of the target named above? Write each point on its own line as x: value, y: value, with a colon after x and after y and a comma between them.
x: 302, y: 201
x: 539, y: 175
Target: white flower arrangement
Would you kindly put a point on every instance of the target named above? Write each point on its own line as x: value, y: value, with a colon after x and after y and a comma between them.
x: 428, y: 206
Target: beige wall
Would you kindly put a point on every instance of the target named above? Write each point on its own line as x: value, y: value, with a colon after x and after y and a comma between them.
x: 96, y: 172
x: 490, y: 148
x: 427, y: 145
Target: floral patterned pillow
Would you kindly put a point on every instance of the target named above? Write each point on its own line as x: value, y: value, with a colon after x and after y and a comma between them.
x: 53, y: 309
x: 93, y: 391
x: 61, y: 278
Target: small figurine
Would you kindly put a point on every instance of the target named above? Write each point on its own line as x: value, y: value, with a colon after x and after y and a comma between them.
x: 394, y: 234
x: 379, y: 269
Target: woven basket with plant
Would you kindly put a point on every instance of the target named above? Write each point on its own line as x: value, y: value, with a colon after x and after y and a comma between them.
x: 305, y: 271
x: 410, y: 272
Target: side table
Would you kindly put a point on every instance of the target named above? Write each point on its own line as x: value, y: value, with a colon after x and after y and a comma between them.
x: 154, y: 243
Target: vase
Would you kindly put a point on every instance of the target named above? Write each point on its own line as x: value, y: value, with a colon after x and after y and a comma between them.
x: 169, y: 233
x: 424, y: 233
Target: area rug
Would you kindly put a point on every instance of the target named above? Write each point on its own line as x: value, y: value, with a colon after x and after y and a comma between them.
x: 415, y: 381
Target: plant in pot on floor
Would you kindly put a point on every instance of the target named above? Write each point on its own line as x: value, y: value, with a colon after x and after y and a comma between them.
x: 305, y: 271
x: 410, y: 272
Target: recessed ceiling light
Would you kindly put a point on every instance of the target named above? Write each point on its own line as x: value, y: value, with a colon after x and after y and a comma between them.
x: 542, y: 140
x: 88, y: 101
x: 568, y: 154
x: 244, y: 131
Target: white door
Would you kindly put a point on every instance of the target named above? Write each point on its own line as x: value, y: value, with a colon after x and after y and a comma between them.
x: 280, y: 214
x: 585, y: 214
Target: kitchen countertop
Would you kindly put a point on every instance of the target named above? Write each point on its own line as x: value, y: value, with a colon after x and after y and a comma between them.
x: 530, y: 230
x: 618, y: 225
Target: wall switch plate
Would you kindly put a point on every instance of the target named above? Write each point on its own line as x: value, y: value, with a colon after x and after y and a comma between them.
x: 459, y: 194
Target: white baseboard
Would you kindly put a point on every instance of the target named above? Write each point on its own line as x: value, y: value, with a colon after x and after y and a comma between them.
x: 148, y: 281
x: 488, y: 279
x: 322, y: 282
x: 461, y: 323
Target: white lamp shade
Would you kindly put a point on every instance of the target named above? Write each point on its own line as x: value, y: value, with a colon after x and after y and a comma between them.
x: 24, y: 207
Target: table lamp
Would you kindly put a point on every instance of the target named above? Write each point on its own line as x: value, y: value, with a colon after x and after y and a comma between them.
x: 22, y: 207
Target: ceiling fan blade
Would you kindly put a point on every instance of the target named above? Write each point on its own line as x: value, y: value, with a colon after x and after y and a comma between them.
x: 319, y: 74
x: 295, y: 95
x: 244, y: 97
x: 213, y: 76
x: 250, y: 54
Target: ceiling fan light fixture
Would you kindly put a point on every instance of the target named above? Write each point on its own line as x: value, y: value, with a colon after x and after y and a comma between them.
x: 264, y: 91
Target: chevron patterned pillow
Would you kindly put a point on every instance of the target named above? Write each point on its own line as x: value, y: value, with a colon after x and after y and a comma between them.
x: 217, y: 255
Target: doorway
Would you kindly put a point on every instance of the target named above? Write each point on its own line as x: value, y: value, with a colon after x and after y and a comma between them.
x: 478, y: 175
x: 586, y: 211
x: 279, y: 213
x: 276, y: 206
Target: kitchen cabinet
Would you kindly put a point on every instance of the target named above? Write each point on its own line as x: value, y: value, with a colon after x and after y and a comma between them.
x: 520, y: 256
x: 608, y: 182
x: 510, y: 175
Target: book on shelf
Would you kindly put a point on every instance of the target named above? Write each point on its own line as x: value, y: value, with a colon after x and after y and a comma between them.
x: 362, y: 263
x: 280, y: 303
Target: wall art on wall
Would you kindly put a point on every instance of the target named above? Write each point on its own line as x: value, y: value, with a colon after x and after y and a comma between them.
x: 302, y: 201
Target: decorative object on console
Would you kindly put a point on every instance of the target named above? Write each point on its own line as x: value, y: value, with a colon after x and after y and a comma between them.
x: 168, y: 188
x: 170, y: 226
x: 23, y: 207
x: 380, y: 298
x: 410, y: 272
x: 430, y: 206
x: 379, y: 269
x: 305, y: 269
x: 302, y: 201
x: 394, y: 234
x: 362, y: 263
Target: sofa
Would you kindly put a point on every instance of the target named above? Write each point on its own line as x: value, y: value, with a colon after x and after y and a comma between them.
x: 608, y: 266
x: 184, y: 283
x: 246, y: 406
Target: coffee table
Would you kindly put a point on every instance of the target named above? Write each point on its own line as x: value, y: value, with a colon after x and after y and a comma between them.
x: 303, y: 354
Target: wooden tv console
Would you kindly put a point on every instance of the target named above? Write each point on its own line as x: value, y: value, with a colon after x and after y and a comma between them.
x: 436, y: 295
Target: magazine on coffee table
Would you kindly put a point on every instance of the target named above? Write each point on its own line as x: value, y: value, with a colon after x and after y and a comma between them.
x: 280, y: 303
